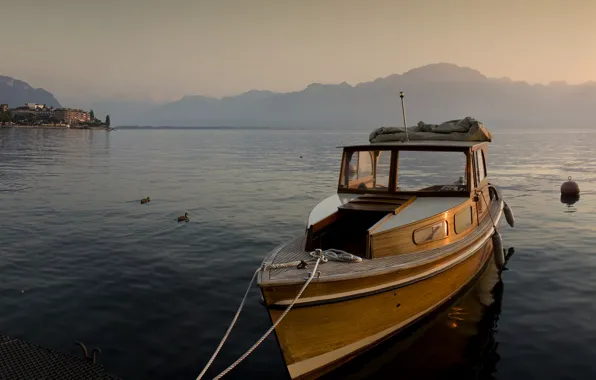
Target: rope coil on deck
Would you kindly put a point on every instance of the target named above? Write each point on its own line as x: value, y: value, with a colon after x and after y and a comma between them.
x: 325, y: 256
x: 319, y: 255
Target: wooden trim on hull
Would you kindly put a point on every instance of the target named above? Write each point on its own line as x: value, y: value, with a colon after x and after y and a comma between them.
x: 328, y: 289
x: 324, y: 336
x: 345, y: 296
x: 280, y: 279
x: 399, y: 239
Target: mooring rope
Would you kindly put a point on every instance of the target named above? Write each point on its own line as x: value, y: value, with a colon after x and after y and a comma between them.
x: 498, y: 196
x: 225, y: 337
x: 488, y: 209
x: 254, y: 346
x: 291, y: 264
x: 319, y: 258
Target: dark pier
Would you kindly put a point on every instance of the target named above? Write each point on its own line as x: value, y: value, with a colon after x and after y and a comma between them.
x: 22, y: 360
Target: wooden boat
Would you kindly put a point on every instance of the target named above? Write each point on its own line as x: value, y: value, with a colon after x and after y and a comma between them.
x: 419, y: 247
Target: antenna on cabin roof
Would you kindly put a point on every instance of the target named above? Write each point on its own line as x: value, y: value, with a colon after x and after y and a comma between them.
x: 403, y: 111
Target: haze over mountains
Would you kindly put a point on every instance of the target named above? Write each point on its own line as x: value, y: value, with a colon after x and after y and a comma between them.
x: 434, y: 93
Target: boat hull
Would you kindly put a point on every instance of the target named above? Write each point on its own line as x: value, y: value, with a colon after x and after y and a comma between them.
x: 315, y: 338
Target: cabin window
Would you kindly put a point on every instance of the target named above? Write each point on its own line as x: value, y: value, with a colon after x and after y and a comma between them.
x: 463, y: 220
x: 430, y: 233
x: 366, y: 170
x: 480, y: 166
x: 431, y: 171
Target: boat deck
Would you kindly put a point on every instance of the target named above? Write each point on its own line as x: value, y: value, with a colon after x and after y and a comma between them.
x: 23, y: 360
x: 334, y: 270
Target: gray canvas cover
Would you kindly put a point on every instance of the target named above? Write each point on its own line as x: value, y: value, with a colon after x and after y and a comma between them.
x: 466, y: 129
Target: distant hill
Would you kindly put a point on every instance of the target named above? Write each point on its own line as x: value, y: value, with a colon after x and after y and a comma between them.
x: 434, y: 93
x: 16, y: 93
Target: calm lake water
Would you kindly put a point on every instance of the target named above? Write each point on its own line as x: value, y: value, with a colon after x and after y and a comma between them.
x: 81, y: 259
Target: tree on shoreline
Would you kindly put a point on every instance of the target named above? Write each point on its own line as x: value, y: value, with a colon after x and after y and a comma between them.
x: 92, y: 115
x: 5, y: 117
x: 107, y: 120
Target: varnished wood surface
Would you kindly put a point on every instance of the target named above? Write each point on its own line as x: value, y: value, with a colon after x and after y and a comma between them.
x: 338, y: 271
x: 317, y: 336
x: 367, y: 203
x: 313, y: 234
x: 330, y: 291
x: 386, y: 207
x: 400, y: 240
x: 379, y: 203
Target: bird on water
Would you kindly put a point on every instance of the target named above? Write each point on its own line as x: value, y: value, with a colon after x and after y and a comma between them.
x: 145, y: 200
x: 183, y: 218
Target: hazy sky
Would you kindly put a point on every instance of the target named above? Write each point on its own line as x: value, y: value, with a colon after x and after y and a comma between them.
x: 83, y: 50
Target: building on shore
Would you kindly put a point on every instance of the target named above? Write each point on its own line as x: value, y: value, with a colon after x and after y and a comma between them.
x: 23, y: 110
x: 39, y: 113
x: 39, y: 110
x: 71, y: 116
x: 35, y: 106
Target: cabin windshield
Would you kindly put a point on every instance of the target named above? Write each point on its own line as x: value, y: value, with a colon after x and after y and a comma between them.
x: 416, y: 171
x: 366, y: 170
x: 431, y: 171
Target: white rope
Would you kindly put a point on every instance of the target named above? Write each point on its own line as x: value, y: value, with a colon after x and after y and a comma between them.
x: 254, y: 346
x: 283, y: 265
x: 258, y: 342
x: 223, y: 340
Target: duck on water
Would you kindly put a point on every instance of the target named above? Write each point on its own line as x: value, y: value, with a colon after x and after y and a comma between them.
x: 378, y: 255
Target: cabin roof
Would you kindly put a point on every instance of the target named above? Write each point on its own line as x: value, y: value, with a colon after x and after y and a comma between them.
x: 419, y: 144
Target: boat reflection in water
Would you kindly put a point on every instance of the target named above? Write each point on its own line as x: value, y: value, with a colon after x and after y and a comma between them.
x: 457, y: 342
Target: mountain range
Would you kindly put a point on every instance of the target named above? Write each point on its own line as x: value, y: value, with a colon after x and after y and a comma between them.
x: 433, y: 93
x: 16, y: 93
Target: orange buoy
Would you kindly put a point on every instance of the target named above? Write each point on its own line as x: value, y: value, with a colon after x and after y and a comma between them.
x: 569, y: 188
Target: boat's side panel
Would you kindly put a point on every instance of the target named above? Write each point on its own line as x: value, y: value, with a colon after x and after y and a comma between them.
x: 422, y: 209
x: 319, y: 336
x: 400, y: 240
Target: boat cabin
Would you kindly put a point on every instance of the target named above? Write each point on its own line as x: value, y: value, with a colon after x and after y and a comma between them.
x: 422, y: 193
x: 398, y: 168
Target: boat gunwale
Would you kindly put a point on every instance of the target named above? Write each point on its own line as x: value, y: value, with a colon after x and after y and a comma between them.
x: 365, y: 292
x: 448, y: 250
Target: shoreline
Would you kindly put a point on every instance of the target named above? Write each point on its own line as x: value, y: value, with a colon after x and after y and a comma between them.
x: 55, y: 127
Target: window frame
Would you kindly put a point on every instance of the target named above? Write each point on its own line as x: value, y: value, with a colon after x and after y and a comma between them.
x: 469, y: 209
x: 444, y: 222
x: 479, y: 153
x: 374, y: 162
